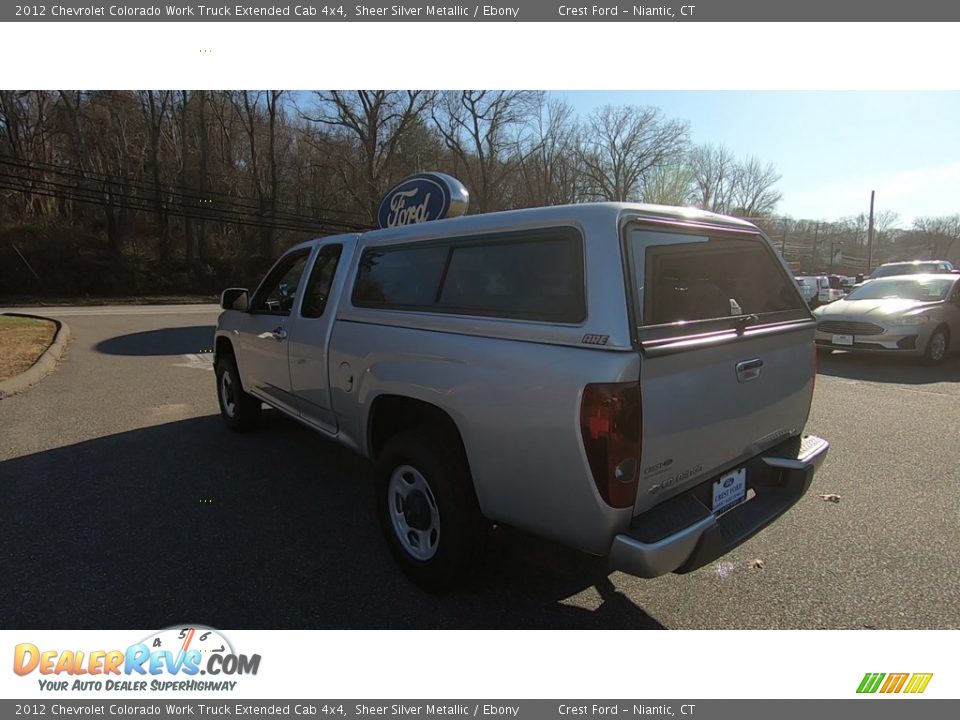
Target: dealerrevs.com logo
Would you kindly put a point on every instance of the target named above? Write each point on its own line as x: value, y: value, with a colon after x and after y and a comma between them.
x: 171, y: 659
x: 910, y: 683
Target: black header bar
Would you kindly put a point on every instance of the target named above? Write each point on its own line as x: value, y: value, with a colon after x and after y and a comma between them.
x: 852, y: 11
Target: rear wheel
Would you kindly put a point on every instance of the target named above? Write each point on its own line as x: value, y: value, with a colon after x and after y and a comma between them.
x: 239, y: 410
x: 937, y: 346
x: 428, y: 510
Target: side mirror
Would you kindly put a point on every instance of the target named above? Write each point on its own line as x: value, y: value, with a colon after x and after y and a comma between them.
x: 859, y: 278
x: 235, y: 299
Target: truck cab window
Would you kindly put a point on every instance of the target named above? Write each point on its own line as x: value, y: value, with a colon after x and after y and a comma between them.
x: 275, y: 296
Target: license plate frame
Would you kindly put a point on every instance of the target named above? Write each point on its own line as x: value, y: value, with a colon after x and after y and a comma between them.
x: 842, y: 340
x: 729, y: 490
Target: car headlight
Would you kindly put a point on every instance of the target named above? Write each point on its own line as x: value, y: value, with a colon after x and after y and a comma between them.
x: 907, y: 320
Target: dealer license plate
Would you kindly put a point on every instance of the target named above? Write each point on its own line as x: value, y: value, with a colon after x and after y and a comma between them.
x: 729, y: 490
x: 843, y: 339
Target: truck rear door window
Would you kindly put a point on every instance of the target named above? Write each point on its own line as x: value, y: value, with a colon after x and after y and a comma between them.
x: 534, y: 275
x: 684, y: 278
x: 317, y: 290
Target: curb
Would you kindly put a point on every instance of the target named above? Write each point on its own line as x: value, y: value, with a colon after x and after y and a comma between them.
x: 44, y: 365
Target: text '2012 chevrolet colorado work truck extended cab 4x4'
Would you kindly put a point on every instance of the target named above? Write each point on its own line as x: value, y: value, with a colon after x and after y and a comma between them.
x: 629, y: 380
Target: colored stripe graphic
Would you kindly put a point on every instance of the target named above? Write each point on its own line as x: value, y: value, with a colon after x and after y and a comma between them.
x: 870, y: 683
x: 918, y: 683
x: 894, y: 683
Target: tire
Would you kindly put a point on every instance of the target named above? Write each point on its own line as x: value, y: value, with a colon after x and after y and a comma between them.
x: 428, y: 510
x: 937, y: 346
x: 239, y: 410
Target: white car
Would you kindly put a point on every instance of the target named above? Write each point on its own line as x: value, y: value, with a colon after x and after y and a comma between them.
x: 819, y: 289
x: 915, y: 315
x: 809, y: 289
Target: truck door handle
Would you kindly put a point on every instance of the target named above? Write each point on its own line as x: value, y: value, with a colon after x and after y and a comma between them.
x: 279, y: 333
x: 749, y: 370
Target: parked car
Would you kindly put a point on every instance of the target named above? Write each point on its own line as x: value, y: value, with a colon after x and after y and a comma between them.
x: 809, y: 289
x: 629, y: 380
x: 819, y: 289
x: 830, y: 289
x: 907, y: 314
x: 913, y: 267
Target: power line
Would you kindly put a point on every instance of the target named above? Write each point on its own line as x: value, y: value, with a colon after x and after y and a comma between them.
x: 78, y: 195
x: 126, y: 184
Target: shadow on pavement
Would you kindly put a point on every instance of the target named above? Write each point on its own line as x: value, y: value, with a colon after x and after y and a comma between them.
x: 169, y: 341
x: 187, y: 522
x: 890, y: 369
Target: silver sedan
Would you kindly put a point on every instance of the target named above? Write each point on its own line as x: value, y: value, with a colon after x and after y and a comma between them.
x: 908, y: 314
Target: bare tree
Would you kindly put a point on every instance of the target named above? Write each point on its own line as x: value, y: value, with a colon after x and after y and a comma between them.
x: 373, y: 122
x: 946, y: 225
x: 229, y: 177
x: 668, y: 185
x: 622, y: 145
x: 203, y: 155
x: 154, y: 105
x: 714, y: 173
x: 548, y: 164
x: 25, y: 121
x: 256, y: 109
x: 753, y: 192
x: 941, y: 232
x: 182, y: 152
x: 479, y: 127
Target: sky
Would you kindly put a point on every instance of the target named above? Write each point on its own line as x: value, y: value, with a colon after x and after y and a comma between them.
x: 831, y: 147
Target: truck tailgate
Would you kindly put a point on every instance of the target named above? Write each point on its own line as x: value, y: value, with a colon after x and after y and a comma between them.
x: 727, y: 356
x: 707, y: 409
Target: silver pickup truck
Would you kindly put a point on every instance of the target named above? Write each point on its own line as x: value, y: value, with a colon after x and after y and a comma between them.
x: 629, y: 380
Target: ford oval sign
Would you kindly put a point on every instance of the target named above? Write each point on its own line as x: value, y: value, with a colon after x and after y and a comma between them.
x: 421, y: 198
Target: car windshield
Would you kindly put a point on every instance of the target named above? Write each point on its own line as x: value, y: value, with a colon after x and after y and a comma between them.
x: 927, y: 289
x: 904, y: 269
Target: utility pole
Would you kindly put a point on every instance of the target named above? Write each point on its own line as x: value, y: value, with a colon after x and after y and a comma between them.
x: 813, y: 259
x: 870, y: 235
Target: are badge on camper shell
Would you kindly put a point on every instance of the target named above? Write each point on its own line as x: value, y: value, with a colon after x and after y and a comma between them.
x: 422, y: 198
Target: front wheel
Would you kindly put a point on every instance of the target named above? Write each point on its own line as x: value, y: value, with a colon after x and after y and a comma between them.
x: 239, y: 410
x: 937, y: 346
x: 428, y: 510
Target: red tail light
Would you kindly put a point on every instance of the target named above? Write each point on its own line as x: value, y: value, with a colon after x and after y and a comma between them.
x: 610, y: 425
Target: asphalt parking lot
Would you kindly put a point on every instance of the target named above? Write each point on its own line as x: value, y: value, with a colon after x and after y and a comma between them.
x: 127, y: 504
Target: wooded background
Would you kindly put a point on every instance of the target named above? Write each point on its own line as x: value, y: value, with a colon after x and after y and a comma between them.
x: 172, y: 192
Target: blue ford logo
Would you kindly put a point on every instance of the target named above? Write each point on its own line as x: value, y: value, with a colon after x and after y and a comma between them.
x: 728, y: 482
x: 422, y: 198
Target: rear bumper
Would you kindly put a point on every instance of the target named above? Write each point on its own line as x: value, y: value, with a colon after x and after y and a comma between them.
x: 682, y: 534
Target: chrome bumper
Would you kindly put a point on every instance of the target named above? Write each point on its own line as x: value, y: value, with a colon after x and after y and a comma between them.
x: 778, y: 479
